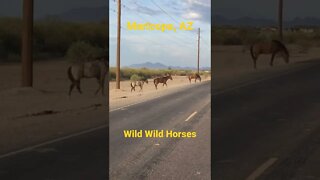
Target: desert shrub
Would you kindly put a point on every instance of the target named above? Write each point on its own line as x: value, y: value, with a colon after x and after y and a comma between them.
x: 135, y: 77
x: 52, y: 37
x: 83, y: 51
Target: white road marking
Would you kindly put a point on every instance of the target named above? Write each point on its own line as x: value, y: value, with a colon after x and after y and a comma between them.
x: 194, y: 113
x: 51, y: 141
x: 261, y: 169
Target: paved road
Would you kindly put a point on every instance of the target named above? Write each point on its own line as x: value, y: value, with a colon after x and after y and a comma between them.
x: 81, y: 157
x: 269, y: 129
x: 137, y: 158
x: 85, y: 156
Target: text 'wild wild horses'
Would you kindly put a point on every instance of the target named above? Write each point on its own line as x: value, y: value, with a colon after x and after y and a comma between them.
x: 274, y: 47
x: 97, y: 68
x: 162, y: 80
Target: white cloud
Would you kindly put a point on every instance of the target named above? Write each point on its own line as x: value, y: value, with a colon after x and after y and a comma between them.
x: 197, y: 10
x: 192, y: 15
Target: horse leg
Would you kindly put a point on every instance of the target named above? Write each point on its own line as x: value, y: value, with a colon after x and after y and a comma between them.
x: 156, y: 85
x: 78, y: 86
x: 71, y: 88
x: 255, y: 58
x: 255, y: 63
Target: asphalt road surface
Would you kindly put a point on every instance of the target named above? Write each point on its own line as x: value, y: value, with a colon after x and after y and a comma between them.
x: 84, y: 156
x: 266, y: 129
x: 180, y: 111
x: 269, y: 129
x: 81, y: 157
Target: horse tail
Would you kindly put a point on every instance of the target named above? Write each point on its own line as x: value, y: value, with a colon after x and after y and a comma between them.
x: 279, y: 43
x: 251, y: 52
x: 70, y: 74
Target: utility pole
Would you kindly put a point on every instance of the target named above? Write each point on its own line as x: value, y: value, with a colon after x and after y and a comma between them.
x: 280, y: 19
x: 118, y: 46
x: 27, y: 43
x: 198, y: 50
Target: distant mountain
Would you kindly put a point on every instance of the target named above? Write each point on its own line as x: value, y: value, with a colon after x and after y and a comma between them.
x: 219, y: 20
x: 151, y: 65
x: 85, y: 14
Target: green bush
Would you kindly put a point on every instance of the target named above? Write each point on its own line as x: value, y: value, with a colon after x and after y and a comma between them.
x: 135, y: 77
x: 52, y: 37
x: 83, y: 51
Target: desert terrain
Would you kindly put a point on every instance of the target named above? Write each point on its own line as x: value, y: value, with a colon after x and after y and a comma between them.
x: 44, y: 112
x: 30, y: 115
x: 233, y: 64
x: 124, y: 96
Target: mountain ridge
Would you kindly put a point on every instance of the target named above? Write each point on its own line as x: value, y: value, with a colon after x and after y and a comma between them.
x: 158, y: 65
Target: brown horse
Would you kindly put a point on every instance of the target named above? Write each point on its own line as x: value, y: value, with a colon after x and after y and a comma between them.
x: 162, y: 80
x: 195, y: 77
x: 274, y: 47
x: 92, y: 69
x: 138, y: 83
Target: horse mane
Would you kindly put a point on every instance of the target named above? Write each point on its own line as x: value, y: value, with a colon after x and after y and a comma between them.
x: 279, y: 43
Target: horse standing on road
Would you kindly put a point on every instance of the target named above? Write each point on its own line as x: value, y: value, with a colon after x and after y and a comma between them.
x: 195, y: 77
x: 274, y: 47
x: 162, y: 80
x: 91, y: 69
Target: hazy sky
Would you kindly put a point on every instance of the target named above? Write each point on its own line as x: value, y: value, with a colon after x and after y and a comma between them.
x: 45, y: 7
x: 266, y: 8
x: 169, y: 48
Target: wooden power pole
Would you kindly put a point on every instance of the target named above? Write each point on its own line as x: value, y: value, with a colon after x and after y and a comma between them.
x: 198, y: 50
x: 118, y: 46
x: 280, y: 19
x: 27, y: 43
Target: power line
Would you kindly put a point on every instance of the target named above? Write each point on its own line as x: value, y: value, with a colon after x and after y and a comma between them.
x: 137, y: 13
x: 171, y: 17
x: 187, y: 36
x: 164, y: 11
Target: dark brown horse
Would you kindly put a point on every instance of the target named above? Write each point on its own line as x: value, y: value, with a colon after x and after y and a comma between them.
x: 138, y: 83
x: 274, y: 47
x: 195, y: 77
x: 162, y: 80
x: 92, y: 69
